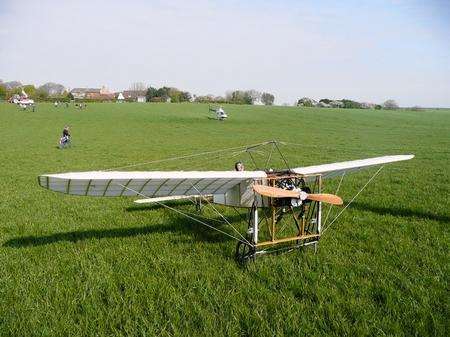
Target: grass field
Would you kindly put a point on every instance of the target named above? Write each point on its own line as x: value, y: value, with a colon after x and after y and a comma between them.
x: 72, y: 266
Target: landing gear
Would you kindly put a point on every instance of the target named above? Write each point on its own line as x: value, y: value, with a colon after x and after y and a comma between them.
x: 244, y: 253
x: 291, y: 223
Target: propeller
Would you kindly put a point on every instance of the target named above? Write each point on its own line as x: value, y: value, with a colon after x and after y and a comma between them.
x: 325, y: 197
x: 275, y: 192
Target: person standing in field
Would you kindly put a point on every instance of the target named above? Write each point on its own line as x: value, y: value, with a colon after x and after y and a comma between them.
x: 65, y: 139
x: 66, y: 132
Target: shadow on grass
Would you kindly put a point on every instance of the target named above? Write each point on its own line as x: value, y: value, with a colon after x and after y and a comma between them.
x: 188, y: 227
x: 397, y: 211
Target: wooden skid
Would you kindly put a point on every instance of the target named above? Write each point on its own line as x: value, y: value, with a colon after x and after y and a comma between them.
x: 293, y: 238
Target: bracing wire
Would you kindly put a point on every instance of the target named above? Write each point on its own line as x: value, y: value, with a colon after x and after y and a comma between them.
x: 186, y: 156
x: 184, y: 214
x: 337, y: 190
x: 220, y: 214
x: 339, y: 214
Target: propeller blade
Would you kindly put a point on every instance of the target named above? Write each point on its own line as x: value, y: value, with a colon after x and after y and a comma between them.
x: 275, y: 192
x: 328, y: 198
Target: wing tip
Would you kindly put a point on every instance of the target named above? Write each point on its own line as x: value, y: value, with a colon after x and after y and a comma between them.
x: 406, y: 156
x: 42, y: 179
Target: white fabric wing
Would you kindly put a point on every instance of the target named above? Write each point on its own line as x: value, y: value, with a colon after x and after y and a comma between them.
x: 148, y: 183
x: 336, y: 169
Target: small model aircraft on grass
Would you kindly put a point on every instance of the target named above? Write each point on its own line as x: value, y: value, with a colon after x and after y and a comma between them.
x: 275, y: 199
x: 221, y: 115
x: 22, y: 100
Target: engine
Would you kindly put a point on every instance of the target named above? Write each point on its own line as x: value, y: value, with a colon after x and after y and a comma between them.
x: 292, y: 184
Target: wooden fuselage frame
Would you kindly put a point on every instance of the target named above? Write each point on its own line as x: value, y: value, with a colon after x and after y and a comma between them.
x: 299, y: 218
x: 307, y: 227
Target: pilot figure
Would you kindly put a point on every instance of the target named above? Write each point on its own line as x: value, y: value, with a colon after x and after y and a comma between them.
x: 239, y: 166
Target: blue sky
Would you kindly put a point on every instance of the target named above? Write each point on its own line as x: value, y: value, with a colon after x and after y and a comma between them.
x: 364, y: 50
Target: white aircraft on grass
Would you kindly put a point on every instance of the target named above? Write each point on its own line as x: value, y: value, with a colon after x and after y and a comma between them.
x: 22, y: 100
x: 274, y: 198
x: 221, y: 115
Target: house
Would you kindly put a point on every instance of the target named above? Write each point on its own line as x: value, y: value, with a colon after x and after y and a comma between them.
x: 82, y: 93
x: 92, y: 94
x: 135, y: 96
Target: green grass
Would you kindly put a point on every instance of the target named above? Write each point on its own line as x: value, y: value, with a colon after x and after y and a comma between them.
x: 100, y: 266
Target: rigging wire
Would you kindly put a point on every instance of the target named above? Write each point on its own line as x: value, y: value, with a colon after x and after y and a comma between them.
x: 220, y: 214
x: 185, y: 214
x: 339, y: 214
x: 337, y: 190
x: 186, y: 156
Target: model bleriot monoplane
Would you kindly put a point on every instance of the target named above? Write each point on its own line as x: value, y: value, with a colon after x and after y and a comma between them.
x: 275, y: 199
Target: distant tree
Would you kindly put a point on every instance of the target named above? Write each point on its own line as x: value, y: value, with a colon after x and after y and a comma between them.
x: 390, y: 104
x: 326, y: 100
x: 209, y: 99
x: 30, y: 90
x: 53, y: 89
x: 241, y: 96
x: 185, y: 96
x: 12, y: 85
x: 220, y: 99
x: 13, y: 91
x: 254, y: 95
x: 151, y: 93
x: 3, y: 92
x: 163, y: 93
x: 267, y: 98
x: 349, y: 104
x: 202, y: 99
x: 41, y: 95
x: 175, y: 95
x: 336, y: 104
x: 378, y: 107
x: 247, y: 97
x: 306, y: 101
x: 234, y: 97
x: 65, y: 96
x: 138, y: 86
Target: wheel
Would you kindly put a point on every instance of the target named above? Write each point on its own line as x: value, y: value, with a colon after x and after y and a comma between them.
x: 244, y: 253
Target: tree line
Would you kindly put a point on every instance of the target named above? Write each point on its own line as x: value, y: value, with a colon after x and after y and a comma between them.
x: 233, y: 97
x: 53, y: 91
x: 239, y: 97
x: 345, y: 104
x: 57, y: 92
